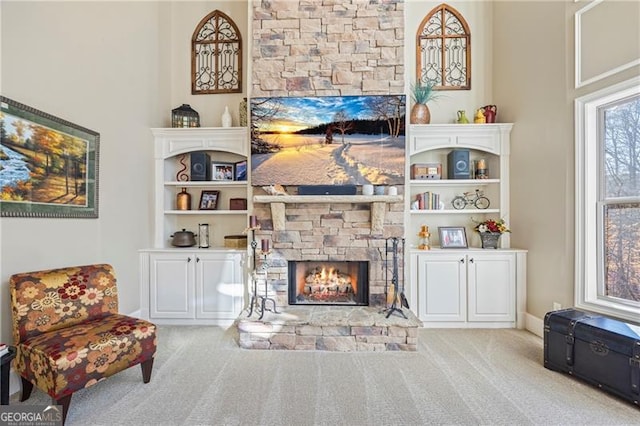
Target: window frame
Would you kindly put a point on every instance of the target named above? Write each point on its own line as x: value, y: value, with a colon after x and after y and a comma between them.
x: 589, y: 228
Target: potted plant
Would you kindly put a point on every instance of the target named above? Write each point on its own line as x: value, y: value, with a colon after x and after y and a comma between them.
x: 421, y: 93
x: 490, y: 231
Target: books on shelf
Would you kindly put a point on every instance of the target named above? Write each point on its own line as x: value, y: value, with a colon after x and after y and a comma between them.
x: 428, y: 201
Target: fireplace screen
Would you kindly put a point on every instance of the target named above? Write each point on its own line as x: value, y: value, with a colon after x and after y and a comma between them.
x: 328, y: 283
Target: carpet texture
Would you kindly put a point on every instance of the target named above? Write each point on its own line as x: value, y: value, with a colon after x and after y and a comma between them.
x: 457, y: 377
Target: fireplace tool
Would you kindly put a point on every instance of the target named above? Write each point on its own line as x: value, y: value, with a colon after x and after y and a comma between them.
x: 399, y: 299
x: 262, y: 270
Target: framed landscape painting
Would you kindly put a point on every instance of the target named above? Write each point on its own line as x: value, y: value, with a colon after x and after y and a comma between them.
x: 48, y: 166
x: 328, y: 140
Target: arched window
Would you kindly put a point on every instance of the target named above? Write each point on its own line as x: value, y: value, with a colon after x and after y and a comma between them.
x: 443, y: 45
x: 216, y: 56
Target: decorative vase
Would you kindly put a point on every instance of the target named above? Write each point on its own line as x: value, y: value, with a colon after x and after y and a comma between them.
x: 420, y: 114
x: 490, y: 239
x: 226, y: 117
x: 183, y: 200
x: 462, y: 117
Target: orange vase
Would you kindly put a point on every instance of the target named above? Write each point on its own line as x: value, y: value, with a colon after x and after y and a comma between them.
x: 420, y: 114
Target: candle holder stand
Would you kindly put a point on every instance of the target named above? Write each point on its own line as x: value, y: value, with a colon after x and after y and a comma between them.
x: 263, y: 298
x: 259, y: 301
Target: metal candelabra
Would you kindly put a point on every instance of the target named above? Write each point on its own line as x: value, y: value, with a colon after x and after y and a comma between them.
x: 260, y: 301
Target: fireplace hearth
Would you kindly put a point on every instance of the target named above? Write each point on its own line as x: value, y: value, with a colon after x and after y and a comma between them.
x: 329, y: 283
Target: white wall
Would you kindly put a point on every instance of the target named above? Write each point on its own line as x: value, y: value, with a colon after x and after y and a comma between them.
x: 533, y: 70
x: 97, y: 65
x: 117, y: 68
x: 478, y: 15
x: 184, y: 17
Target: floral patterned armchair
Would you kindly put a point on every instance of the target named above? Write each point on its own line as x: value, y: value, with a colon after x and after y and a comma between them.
x: 69, y: 334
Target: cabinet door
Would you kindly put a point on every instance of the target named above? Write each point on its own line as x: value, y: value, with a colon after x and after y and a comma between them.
x: 219, y: 285
x: 492, y: 278
x: 442, y: 287
x: 171, y: 290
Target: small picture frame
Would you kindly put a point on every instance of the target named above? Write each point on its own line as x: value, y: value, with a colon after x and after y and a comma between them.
x: 452, y: 237
x: 222, y: 171
x: 208, y: 200
x: 240, y: 170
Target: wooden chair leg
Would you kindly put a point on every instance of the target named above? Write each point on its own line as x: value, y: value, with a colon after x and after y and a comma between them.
x: 27, y: 387
x: 147, y: 366
x: 65, y: 401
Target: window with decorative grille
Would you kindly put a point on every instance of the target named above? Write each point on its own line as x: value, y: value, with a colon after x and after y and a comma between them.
x: 443, y: 45
x: 216, y: 56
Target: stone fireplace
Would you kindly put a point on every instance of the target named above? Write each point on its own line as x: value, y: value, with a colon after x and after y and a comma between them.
x: 352, y: 229
x: 343, y: 283
x: 328, y: 48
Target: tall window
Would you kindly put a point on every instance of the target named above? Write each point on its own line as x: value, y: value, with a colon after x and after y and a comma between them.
x: 608, y: 200
x: 216, y: 56
x: 443, y: 45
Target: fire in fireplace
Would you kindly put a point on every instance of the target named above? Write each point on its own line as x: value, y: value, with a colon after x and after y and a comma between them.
x: 328, y: 283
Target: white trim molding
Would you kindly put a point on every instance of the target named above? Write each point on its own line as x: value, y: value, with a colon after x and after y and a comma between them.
x: 579, y: 82
x: 587, y: 260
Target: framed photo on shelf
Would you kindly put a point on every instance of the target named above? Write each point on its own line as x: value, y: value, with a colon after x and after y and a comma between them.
x: 452, y: 237
x: 222, y: 171
x: 240, y: 170
x: 208, y: 200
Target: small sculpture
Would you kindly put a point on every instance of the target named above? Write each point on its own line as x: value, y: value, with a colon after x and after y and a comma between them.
x: 275, y: 189
x: 462, y: 117
x: 479, y: 117
x: 490, y: 113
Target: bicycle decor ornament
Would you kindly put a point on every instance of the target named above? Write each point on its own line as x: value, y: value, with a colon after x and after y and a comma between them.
x: 476, y: 199
x: 490, y: 231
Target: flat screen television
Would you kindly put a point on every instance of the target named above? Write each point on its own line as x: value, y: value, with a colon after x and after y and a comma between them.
x: 328, y: 140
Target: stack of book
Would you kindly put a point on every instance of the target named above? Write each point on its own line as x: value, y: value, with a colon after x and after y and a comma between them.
x: 428, y: 201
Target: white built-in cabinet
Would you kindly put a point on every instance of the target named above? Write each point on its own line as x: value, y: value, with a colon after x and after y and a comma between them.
x: 186, y: 287
x: 191, y: 285
x: 470, y: 287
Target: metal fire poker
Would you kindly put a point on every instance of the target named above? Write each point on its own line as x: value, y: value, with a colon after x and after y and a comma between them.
x: 399, y: 298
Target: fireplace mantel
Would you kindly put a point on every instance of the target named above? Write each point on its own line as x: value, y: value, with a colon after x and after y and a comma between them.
x: 378, y: 204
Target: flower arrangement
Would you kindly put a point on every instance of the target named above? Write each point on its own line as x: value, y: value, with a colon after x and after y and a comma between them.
x: 490, y: 225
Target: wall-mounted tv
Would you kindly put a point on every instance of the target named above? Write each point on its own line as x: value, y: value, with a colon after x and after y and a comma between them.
x: 328, y: 140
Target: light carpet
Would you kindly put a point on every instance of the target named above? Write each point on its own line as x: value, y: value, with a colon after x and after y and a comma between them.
x: 457, y: 377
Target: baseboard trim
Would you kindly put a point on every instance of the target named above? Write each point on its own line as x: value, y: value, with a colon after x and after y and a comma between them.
x: 14, y: 382
x: 136, y: 314
x: 535, y: 325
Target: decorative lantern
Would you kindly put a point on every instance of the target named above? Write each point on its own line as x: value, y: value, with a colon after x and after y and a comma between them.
x: 424, y: 235
x: 185, y: 116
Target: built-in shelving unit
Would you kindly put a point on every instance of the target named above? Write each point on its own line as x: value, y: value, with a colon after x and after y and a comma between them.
x: 463, y: 287
x: 431, y: 143
x: 191, y: 285
x: 224, y: 145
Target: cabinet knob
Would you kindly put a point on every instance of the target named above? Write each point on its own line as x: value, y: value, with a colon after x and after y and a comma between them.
x: 462, y: 260
x: 188, y: 259
x: 197, y: 259
x: 471, y: 260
